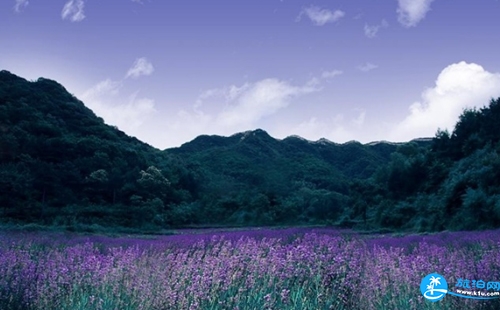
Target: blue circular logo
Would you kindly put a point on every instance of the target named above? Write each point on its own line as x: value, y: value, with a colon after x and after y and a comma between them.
x: 433, y: 287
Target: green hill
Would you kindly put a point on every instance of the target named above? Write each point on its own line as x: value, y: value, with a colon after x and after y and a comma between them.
x: 255, y: 178
x: 62, y: 166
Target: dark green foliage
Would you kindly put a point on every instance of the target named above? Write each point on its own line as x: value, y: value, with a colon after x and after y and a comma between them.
x: 453, y: 185
x: 251, y: 178
x: 62, y: 165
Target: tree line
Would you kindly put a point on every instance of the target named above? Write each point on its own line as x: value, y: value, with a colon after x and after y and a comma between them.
x: 62, y: 166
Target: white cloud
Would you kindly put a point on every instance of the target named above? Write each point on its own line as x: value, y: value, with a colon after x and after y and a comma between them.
x: 20, y: 4
x: 134, y: 113
x: 458, y: 86
x: 259, y: 100
x: 227, y: 110
x: 360, y: 120
x: 367, y: 67
x: 141, y: 66
x: 227, y: 93
x: 333, y: 129
x: 411, y: 12
x: 106, y: 87
x: 371, y: 31
x: 104, y: 100
x: 340, y: 134
x: 187, y: 126
x: 358, y: 16
x: 260, y: 104
x: 319, y: 16
x: 73, y: 10
x: 330, y: 74
x: 311, y: 129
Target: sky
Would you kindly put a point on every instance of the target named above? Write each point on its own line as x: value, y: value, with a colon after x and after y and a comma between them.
x: 168, y: 71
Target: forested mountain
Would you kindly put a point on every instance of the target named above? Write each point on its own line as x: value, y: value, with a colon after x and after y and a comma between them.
x: 453, y: 185
x: 257, y: 179
x: 62, y: 166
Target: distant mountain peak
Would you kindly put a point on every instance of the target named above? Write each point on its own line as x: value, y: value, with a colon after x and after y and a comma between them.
x: 255, y: 131
x: 351, y: 142
x: 260, y: 132
x: 297, y: 137
x: 324, y: 141
x: 383, y: 142
x: 8, y: 76
x: 424, y: 140
x: 244, y: 135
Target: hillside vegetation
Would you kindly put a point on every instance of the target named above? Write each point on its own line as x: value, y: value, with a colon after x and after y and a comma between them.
x: 62, y: 166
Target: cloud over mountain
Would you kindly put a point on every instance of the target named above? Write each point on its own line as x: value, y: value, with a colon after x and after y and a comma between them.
x: 458, y: 86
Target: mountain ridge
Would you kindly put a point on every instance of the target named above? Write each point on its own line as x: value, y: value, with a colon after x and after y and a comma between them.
x: 243, y: 134
x: 64, y: 167
x: 54, y: 86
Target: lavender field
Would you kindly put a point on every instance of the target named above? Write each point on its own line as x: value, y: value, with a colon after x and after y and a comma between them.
x: 256, y: 269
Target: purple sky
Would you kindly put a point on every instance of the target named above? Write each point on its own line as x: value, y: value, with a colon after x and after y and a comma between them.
x: 168, y: 71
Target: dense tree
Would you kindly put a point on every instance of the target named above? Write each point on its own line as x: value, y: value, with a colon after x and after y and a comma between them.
x: 453, y: 185
x: 62, y: 165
